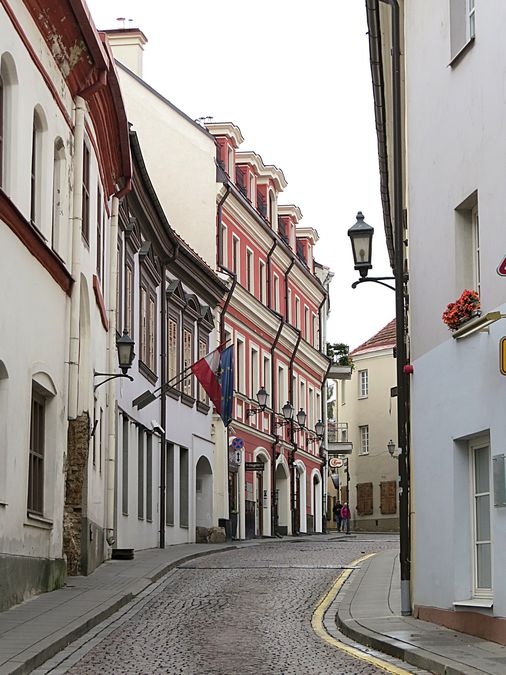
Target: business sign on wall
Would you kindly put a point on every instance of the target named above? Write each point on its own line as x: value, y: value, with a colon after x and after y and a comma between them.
x: 501, y: 268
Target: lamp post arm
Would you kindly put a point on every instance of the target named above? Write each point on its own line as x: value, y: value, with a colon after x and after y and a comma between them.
x: 110, y: 377
x: 376, y: 280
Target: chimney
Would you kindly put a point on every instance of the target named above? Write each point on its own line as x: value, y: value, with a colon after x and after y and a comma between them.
x: 127, y: 46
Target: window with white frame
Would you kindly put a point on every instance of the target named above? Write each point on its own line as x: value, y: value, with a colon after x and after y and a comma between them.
x: 172, y: 348
x: 467, y: 244
x: 249, y: 270
x: 318, y: 408
x: 462, y: 25
x: 85, y: 223
x: 58, y: 185
x: 475, y: 224
x: 239, y: 371
x: 363, y: 432
x: 289, y: 308
x: 262, y: 282
x: 310, y: 409
x: 297, y: 312
x: 482, y: 531
x: 267, y: 376
x: 36, y: 468
x: 203, y: 349
x: 316, y: 331
x: 224, y: 245
x: 235, y: 256
x: 276, y: 293
x: 306, y: 324
x: 363, y: 383
x: 38, y: 128
x: 231, y: 163
x: 252, y: 190
x: 253, y: 378
x: 281, y: 388
x: 187, y: 360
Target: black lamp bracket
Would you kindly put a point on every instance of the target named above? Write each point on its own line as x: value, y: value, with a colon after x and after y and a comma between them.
x: 376, y: 280
x: 110, y: 376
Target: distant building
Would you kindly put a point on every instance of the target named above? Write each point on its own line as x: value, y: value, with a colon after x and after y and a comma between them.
x: 368, y: 412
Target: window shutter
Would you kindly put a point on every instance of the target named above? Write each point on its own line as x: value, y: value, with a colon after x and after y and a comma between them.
x: 364, y: 499
x: 458, y: 32
x: 388, y: 497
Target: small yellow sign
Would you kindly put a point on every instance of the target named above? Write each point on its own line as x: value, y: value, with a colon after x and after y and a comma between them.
x: 502, y: 356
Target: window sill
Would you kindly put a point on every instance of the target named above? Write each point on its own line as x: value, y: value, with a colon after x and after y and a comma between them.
x: 33, y: 520
x: 459, y: 55
x: 173, y: 393
x: 483, y: 603
x: 187, y: 400
x: 203, y: 407
x: 147, y: 372
x: 479, y: 323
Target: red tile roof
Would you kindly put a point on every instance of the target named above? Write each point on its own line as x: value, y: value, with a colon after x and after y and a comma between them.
x: 385, y: 338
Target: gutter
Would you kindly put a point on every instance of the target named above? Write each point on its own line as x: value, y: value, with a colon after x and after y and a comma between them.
x: 294, y: 445
x: 268, y: 273
x: 275, y: 443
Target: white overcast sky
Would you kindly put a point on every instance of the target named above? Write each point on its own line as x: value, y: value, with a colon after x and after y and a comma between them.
x: 294, y: 76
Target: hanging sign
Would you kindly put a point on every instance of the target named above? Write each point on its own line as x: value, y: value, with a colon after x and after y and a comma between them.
x: 501, y: 269
x: 502, y: 356
x: 237, y: 443
x: 335, y: 463
x: 254, y: 466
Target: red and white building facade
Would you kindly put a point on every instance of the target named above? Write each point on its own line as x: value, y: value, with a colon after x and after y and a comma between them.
x: 274, y: 316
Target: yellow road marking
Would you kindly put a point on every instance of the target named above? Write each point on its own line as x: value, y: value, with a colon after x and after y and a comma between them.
x: 319, y: 628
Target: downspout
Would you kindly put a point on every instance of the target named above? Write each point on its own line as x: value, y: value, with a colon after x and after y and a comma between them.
x: 275, y: 443
x: 268, y: 273
x: 402, y: 381
x: 230, y: 293
x: 163, y: 400
x: 294, y: 446
x: 77, y: 217
x: 323, y: 469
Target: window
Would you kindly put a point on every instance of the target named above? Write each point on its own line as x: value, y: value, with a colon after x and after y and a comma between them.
x: 307, y: 336
x: 363, y: 383
x: 467, y: 244
x: 475, y: 224
x: 388, y: 497
x: 297, y: 312
x: 224, y: 245
x: 262, y: 282
x: 58, y: 183
x: 85, y: 225
x: 252, y: 190
x: 364, y: 499
x: 276, y: 293
x: 235, y: 255
x: 140, y: 473
x: 36, y: 171
x: 343, y: 392
x: 318, y: 409
x: 8, y: 85
x: 310, y: 409
x: 119, y: 282
x: 172, y: 350
x: 2, y: 129
x: 203, y: 349
x: 253, y: 378
x: 249, y: 270
x: 266, y: 381
x: 272, y: 208
x: 188, y: 360
x: 148, y: 326
x: 129, y: 294
x: 100, y: 236
x: 302, y: 401
x: 149, y: 478
x: 289, y: 308
x: 183, y: 487
x: 230, y: 162
x: 364, y: 439
x: 462, y: 25
x: 239, y: 349
x: 36, y: 456
x: 169, y: 484
x: 480, y: 459
x: 281, y: 388
x: 316, y: 331
x: 124, y: 467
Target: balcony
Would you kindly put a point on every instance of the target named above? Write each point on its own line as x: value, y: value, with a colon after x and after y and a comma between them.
x: 337, y: 439
x: 338, y: 372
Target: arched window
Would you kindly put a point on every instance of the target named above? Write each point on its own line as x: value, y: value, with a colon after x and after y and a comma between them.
x: 8, y: 80
x: 58, y: 184
x: 38, y: 128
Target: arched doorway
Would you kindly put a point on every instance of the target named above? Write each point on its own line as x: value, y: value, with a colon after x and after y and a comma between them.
x: 203, y: 493
x: 317, y: 500
x: 300, y: 495
x: 262, y: 487
x: 283, y: 495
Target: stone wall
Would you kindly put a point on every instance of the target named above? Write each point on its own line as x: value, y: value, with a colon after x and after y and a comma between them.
x: 75, y: 484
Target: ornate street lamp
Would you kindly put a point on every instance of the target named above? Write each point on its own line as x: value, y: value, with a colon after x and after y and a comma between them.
x: 287, y: 411
x: 301, y: 418
x: 125, y: 346
x: 319, y: 427
x: 360, y: 235
x: 262, y: 397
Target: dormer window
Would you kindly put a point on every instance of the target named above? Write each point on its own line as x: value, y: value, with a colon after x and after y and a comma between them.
x: 240, y: 181
x: 272, y: 208
x: 252, y: 190
x: 230, y: 162
x: 261, y: 205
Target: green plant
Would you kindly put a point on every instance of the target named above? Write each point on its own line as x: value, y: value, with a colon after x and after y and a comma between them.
x: 339, y: 352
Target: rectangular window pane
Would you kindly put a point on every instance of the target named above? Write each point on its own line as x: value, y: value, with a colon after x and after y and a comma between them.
x: 483, y: 518
x: 484, y: 566
x: 152, y: 333
x: 140, y: 474
x: 144, y: 326
x: 85, y: 225
x: 183, y: 487
x: 187, y: 360
x: 169, y: 485
x: 172, y: 349
x: 481, y: 470
x: 35, y: 501
x: 202, y: 352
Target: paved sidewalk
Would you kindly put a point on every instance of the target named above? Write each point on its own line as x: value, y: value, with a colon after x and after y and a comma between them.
x: 39, y: 628
x: 369, y: 612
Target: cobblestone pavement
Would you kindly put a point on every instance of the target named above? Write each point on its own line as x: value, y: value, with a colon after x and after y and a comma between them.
x: 246, y: 611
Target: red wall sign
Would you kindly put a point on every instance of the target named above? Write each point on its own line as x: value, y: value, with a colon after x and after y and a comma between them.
x: 501, y: 270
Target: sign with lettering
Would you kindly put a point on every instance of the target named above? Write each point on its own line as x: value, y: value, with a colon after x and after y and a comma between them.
x: 335, y: 462
x: 254, y: 466
x: 501, y: 268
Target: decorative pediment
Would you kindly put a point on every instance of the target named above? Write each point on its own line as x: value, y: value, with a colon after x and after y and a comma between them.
x: 206, y: 316
x: 193, y: 304
x: 175, y: 292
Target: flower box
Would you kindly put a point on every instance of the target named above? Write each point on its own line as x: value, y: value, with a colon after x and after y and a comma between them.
x: 465, y: 308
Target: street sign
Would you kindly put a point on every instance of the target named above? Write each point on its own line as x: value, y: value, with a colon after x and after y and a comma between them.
x: 335, y: 463
x: 501, y: 269
x: 254, y: 466
x: 502, y: 356
x: 237, y: 443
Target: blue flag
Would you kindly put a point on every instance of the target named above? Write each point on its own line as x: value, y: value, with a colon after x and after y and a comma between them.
x: 226, y: 379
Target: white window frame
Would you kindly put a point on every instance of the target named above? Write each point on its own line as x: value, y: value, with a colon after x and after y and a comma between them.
x: 276, y: 292
x: 363, y: 383
x: 250, y: 276
x: 254, y: 371
x: 266, y: 376
x: 363, y: 433
x: 297, y: 312
x: 475, y: 233
x: 240, y: 353
x: 236, y: 259
x: 262, y: 281
x: 475, y: 445
x: 224, y: 245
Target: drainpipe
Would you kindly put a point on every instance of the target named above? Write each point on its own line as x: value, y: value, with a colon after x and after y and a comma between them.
x: 163, y: 399
x: 402, y: 381
x: 268, y: 273
x: 294, y: 445
x: 230, y: 293
x: 76, y: 221
x: 275, y: 404
x: 323, y: 469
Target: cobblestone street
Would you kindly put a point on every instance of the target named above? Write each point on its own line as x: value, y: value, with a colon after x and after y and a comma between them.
x: 243, y: 611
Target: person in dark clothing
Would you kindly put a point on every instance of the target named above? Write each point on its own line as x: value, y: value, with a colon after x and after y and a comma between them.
x: 337, y: 514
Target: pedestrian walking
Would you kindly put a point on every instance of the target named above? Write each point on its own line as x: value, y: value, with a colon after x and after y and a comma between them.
x: 337, y: 514
x: 345, y: 518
